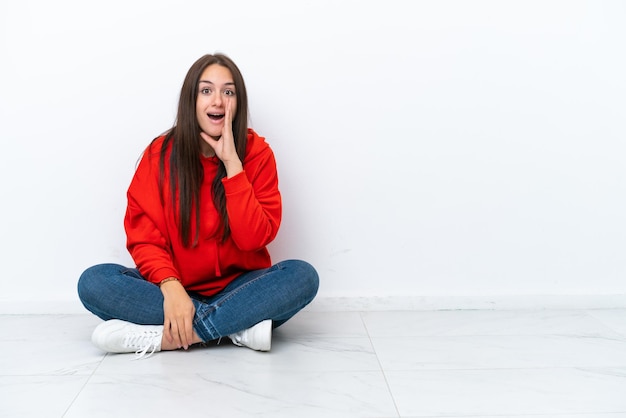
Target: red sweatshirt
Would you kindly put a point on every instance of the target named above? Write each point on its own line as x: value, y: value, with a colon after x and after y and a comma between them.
x: 254, y: 209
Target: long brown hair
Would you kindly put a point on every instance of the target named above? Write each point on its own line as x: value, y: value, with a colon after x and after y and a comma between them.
x: 186, y: 172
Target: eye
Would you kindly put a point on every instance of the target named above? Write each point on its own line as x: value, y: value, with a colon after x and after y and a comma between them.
x: 229, y: 92
x: 205, y: 90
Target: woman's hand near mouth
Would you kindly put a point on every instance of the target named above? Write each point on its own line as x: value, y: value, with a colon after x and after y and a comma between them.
x: 224, y: 146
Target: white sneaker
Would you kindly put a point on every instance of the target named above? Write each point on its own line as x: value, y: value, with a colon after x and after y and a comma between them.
x: 258, y: 337
x: 117, y: 336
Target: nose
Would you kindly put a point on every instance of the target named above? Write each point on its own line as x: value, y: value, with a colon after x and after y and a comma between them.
x: 217, y: 100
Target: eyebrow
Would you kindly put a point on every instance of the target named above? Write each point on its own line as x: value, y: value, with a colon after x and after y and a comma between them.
x: 230, y: 83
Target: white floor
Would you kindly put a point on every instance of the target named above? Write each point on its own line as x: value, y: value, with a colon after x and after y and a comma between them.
x: 345, y: 364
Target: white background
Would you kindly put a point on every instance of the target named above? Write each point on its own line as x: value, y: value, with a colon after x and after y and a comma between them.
x: 433, y: 149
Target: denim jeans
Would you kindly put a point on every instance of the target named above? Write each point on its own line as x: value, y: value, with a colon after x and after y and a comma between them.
x: 112, y: 291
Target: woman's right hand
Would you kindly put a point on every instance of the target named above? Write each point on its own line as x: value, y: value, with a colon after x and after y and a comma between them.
x: 178, y: 311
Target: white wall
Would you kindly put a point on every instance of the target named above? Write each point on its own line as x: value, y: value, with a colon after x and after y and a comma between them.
x: 471, y: 151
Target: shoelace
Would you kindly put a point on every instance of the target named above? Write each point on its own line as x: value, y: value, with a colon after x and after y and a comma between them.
x: 143, y: 341
x: 238, y: 337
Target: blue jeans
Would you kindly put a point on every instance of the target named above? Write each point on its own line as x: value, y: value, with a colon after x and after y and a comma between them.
x: 112, y: 291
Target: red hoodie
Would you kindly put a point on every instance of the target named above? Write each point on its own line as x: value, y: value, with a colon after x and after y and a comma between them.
x: 254, y: 209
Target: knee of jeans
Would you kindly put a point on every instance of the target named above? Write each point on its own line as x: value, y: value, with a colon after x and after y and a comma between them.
x: 88, y: 281
x: 84, y: 284
x: 314, y: 281
x: 308, y: 277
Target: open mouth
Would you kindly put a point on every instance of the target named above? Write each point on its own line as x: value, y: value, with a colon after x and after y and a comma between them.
x: 215, y: 116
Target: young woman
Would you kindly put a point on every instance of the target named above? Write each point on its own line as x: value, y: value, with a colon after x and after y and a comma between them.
x: 202, y: 207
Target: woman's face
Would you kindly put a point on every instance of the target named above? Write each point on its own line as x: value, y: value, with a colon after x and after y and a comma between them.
x: 216, y: 90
